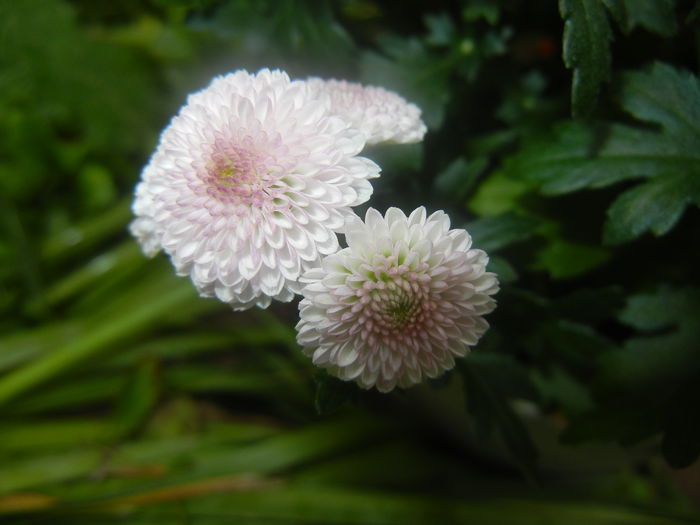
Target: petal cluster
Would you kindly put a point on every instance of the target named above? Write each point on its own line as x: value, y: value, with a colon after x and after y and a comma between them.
x: 248, y: 186
x: 382, y: 115
x: 398, y: 304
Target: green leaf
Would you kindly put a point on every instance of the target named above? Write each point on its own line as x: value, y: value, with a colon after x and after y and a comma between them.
x: 656, y: 205
x: 649, y: 361
x: 503, y: 269
x: 656, y: 16
x: 459, y: 177
x: 666, y: 96
x: 494, y: 233
x: 409, y: 69
x: 595, y: 156
x: 661, y: 308
x: 498, y: 194
x: 565, y: 259
x: 587, y: 37
x: 488, y: 10
x: 138, y: 398
x: 560, y: 387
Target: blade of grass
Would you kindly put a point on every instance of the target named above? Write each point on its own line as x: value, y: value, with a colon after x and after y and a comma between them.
x: 111, y: 330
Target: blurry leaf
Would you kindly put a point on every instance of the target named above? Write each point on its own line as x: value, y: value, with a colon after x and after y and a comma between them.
x: 137, y: 399
x: 497, y: 194
x: 488, y: 403
x: 77, y: 393
x: 215, y: 378
x: 97, y: 190
x: 565, y: 259
x: 587, y: 37
x: 459, y: 177
x: 49, y: 66
x: 503, y: 269
x: 662, y: 308
x: 494, y: 233
x: 396, y: 160
x: 577, y: 344
x: 290, y: 28
x: 656, y: 16
x: 165, y: 42
x: 656, y: 205
x: 93, y: 271
x: 411, y: 71
x: 484, y: 9
x: 332, y: 393
x: 559, y: 387
x: 49, y: 434
x: 79, y: 238
x: 657, y: 359
x: 624, y: 419
x: 441, y: 29
x: 106, y: 331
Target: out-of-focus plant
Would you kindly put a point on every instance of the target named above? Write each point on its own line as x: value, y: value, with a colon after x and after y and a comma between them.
x: 564, y: 140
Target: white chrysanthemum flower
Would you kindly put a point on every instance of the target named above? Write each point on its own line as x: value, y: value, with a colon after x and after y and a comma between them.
x: 398, y: 304
x: 382, y: 115
x: 249, y: 185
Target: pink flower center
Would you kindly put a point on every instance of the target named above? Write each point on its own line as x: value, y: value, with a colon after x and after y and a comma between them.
x: 238, y: 173
x: 396, y: 304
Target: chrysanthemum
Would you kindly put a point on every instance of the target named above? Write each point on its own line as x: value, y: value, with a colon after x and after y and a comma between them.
x: 382, y: 115
x: 398, y: 304
x: 249, y: 185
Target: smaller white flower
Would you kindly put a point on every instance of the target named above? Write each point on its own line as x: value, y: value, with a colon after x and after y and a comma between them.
x: 405, y: 298
x: 381, y: 115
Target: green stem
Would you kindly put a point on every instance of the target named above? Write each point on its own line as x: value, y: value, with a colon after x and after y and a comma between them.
x: 93, y: 342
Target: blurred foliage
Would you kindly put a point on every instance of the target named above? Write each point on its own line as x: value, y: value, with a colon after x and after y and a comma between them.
x: 126, y: 398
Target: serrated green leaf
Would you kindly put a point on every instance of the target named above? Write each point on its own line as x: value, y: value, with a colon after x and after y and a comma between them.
x: 595, y: 156
x: 656, y: 205
x: 582, y: 156
x: 656, y: 16
x: 666, y: 96
x: 587, y: 37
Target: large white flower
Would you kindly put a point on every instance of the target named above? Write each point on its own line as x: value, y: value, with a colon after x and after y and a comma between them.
x: 398, y: 304
x: 382, y: 115
x: 249, y: 185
